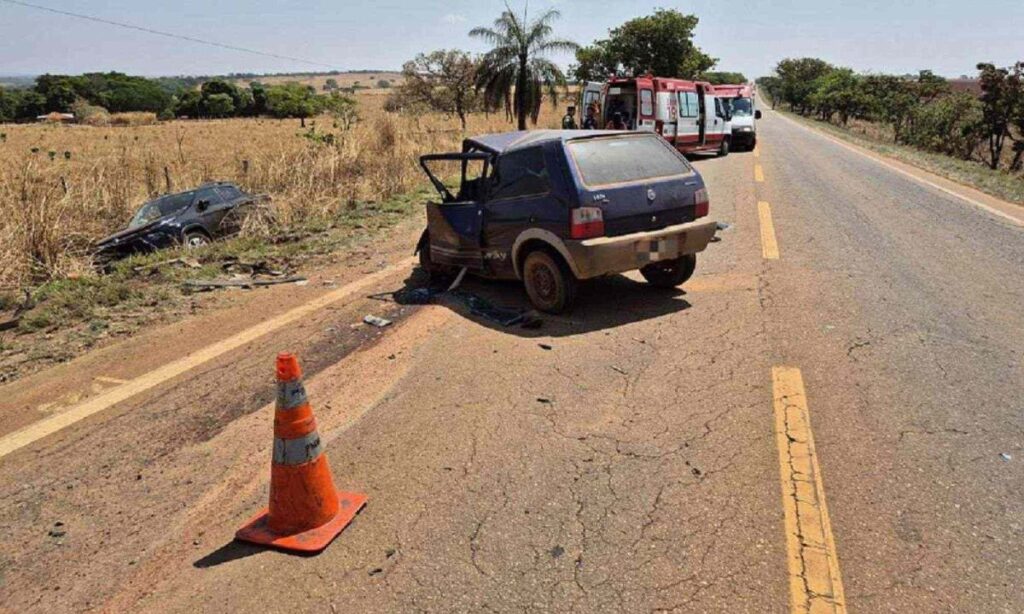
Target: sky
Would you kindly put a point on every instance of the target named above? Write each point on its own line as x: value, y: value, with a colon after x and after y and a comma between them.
x: 750, y: 36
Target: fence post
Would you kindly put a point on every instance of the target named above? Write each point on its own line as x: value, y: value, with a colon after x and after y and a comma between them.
x: 167, y: 179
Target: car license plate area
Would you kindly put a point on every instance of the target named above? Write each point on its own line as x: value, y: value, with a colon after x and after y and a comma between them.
x: 653, y: 250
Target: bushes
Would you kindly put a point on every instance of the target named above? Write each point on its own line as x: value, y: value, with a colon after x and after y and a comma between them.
x: 921, y: 111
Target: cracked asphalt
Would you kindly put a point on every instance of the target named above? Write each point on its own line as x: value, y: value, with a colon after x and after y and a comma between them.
x: 619, y: 459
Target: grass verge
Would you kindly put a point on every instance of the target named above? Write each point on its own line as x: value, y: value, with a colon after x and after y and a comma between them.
x: 65, y: 317
x: 998, y: 183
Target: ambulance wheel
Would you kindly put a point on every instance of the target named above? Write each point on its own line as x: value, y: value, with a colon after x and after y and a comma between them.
x: 670, y: 273
x: 549, y: 282
x: 723, y: 149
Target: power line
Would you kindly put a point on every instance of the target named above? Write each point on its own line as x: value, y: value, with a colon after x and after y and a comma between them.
x: 167, y: 34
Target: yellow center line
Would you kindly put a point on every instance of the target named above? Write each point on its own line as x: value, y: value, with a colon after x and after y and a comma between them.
x: 769, y: 246
x: 758, y: 173
x: 757, y: 151
x: 815, y: 584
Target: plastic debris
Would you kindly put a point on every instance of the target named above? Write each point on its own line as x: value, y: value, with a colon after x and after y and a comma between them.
x: 1006, y: 457
x: 376, y: 321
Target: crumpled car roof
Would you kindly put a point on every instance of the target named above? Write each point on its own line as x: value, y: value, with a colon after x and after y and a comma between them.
x: 510, y: 141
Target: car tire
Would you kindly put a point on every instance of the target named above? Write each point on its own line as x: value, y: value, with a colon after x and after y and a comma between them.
x: 723, y: 149
x: 549, y: 282
x: 195, y: 239
x: 670, y: 273
x: 753, y: 144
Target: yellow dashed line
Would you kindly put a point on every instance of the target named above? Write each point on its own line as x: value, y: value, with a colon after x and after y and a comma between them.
x: 758, y: 173
x: 814, y: 581
x: 757, y: 151
x: 769, y: 246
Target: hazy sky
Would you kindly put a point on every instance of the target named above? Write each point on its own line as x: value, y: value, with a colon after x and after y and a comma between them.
x: 947, y: 36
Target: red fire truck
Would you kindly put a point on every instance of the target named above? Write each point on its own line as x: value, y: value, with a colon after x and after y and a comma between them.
x: 689, y: 114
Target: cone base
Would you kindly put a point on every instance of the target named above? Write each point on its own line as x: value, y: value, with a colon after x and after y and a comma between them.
x: 257, y: 531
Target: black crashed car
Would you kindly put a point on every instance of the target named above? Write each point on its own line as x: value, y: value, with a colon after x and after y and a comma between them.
x: 192, y: 218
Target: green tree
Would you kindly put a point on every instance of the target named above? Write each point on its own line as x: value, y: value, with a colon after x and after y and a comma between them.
x: 515, y: 72
x: 594, y: 63
x: 724, y: 78
x: 1000, y: 94
x: 441, y: 81
x: 218, y: 105
x: 8, y: 106
x: 58, y: 90
x: 840, y: 92
x: 341, y: 108
x: 798, y: 76
x: 661, y: 44
x: 771, y: 87
x: 331, y: 84
x: 292, y: 100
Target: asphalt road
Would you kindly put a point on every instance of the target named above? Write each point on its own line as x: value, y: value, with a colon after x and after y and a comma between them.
x: 829, y: 417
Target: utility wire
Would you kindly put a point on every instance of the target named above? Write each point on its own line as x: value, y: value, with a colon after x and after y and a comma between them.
x: 167, y: 34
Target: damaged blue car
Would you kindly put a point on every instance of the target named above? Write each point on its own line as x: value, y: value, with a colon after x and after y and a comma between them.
x: 554, y: 208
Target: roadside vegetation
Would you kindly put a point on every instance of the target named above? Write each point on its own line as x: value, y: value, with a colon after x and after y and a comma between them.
x: 971, y: 130
x: 336, y: 154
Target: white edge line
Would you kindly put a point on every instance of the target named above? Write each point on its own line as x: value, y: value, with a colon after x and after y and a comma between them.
x: 858, y: 150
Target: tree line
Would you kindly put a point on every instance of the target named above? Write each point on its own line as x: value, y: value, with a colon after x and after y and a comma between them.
x: 113, y: 92
x: 516, y: 75
x: 922, y: 111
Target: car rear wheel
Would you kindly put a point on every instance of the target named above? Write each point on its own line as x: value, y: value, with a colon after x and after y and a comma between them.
x: 195, y: 238
x: 670, y: 273
x: 549, y: 282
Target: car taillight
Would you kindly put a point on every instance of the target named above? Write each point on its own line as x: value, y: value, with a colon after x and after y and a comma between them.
x: 587, y: 222
x: 703, y: 204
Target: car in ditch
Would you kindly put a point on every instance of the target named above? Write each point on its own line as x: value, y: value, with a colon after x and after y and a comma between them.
x: 192, y: 218
x: 555, y: 207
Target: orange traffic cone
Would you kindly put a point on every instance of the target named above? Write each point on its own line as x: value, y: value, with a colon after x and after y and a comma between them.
x: 306, y: 512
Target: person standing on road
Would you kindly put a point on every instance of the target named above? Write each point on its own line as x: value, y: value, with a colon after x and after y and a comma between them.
x: 569, y: 120
x: 590, y: 122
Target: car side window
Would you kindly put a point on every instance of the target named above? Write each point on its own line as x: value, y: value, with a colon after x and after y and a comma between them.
x: 210, y: 195
x: 228, y: 192
x: 521, y: 173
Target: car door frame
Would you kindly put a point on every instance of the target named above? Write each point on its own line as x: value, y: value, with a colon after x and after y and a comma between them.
x: 455, y: 224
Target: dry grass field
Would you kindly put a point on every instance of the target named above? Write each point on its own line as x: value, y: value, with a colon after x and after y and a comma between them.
x: 64, y: 186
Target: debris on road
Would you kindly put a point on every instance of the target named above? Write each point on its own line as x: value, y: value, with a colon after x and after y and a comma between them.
x: 376, y: 321
x: 476, y: 305
x: 1006, y: 457
x: 619, y: 370
x: 206, y: 285
x: 544, y: 346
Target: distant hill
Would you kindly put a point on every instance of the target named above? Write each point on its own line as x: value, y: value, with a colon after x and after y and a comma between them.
x: 360, y: 79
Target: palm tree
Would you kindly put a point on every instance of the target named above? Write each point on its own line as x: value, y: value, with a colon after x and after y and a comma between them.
x: 517, y: 64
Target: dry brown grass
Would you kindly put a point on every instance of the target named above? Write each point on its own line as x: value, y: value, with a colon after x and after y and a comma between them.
x: 64, y: 186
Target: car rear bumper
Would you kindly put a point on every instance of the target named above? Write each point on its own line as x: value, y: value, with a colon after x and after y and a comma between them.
x: 604, y: 255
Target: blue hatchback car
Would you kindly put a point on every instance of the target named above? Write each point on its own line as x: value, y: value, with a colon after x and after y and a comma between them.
x: 556, y: 207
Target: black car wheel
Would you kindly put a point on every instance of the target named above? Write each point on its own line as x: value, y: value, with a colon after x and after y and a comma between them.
x: 670, y: 273
x: 195, y: 238
x: 723, y: 149
x: 549, y: 282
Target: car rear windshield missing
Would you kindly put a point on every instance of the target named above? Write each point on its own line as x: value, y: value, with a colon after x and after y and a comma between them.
x: 604, y: 161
